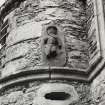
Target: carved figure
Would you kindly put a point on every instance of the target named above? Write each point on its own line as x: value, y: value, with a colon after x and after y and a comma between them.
x: 52, y: 42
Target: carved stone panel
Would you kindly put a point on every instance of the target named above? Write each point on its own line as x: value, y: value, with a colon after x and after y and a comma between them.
x: 53, y: 46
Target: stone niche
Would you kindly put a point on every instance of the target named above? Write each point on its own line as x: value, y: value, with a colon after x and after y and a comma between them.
x: 53, y: 45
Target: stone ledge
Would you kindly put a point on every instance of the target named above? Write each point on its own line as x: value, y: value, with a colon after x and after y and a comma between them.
x: 46, y: 73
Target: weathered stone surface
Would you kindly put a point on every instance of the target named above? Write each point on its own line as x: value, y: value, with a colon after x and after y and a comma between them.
x: 55, y: 87
x: 14, y: 66
x: 103, y: 103
x: 33, y: 93
x: 76, y: 18
x: 16, y: 52
x: 28, y: 31
x: 27, y: 22
x: 53, y: 46
x: 22, y: 55
x: 31, y: 59
x: 93, y: 32
x: 22, y: 49
x: 98, y: 88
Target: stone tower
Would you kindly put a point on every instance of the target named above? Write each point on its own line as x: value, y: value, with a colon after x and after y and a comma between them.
x: 52, y: 52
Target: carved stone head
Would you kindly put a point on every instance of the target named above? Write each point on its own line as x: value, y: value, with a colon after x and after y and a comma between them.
x: 52, y: 30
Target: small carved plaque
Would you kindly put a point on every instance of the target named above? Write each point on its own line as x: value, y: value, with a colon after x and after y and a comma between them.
x: 53, y: 49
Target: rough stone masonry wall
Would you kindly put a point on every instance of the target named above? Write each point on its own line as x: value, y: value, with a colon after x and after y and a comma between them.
x: 98, y: 84
x: 98, y: 89
x: 23, y: 42
x: 33, y: 93
x: 23, y: 50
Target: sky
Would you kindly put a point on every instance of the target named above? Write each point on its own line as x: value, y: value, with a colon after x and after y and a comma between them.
x: 1, y: 2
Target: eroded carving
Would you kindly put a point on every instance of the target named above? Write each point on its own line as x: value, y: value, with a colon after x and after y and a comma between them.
x: 53, y: 46
x: 52, y: 43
